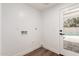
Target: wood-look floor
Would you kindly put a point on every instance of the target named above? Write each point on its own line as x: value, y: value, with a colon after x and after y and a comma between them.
x: 41, y: 52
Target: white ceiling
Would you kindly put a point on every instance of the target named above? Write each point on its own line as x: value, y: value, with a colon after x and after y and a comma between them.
x: 42, y: 6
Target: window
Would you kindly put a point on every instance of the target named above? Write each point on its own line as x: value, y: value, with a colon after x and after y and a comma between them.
x: 71, y: 23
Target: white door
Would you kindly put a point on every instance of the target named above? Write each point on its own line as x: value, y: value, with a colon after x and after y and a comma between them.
x: 69, y: 31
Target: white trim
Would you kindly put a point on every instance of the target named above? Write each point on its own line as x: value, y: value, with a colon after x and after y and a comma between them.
x: 53, y: 50
x: 22, y: 53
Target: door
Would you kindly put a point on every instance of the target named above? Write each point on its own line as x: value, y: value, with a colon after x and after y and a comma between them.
x: 69, y: 30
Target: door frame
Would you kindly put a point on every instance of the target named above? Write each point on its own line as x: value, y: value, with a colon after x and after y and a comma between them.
x: 61, y: 49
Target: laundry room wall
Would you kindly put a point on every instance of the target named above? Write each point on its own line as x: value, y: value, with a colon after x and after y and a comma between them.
x: 17, y: 17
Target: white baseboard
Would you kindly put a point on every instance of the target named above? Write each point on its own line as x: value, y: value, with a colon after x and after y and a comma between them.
x: 53, y: 50
x: 22, y: 53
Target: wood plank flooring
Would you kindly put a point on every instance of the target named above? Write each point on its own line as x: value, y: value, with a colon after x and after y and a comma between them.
x: 41, y: 52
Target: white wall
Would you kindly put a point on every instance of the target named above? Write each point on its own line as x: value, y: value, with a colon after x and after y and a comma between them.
x: 18, y: 17
x: 15, y: 18
x: 0, y: 28
x: 51, y: 27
